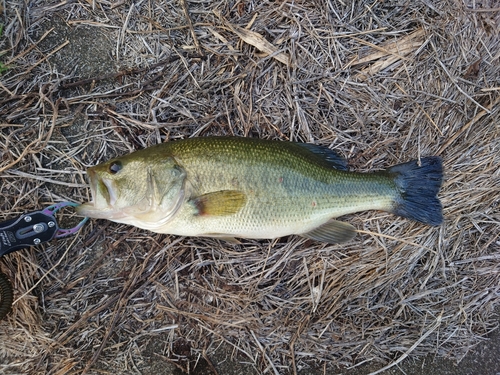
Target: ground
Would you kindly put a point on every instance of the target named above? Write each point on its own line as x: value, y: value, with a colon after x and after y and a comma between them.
x: 481, y: 360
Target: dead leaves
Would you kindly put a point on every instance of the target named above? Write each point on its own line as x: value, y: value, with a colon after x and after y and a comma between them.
x: 258, y: 41
x: 385, y: 55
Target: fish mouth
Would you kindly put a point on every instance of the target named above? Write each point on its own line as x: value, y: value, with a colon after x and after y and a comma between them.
x: 104, y: 197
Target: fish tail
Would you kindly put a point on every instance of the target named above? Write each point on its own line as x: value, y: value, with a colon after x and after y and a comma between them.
x: 418, y: 186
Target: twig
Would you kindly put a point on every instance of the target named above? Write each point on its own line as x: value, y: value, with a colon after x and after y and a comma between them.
x: 25, y: 152
x: 28, y: 50
x: 454, y: 81
x: 46, y: 57
x: 191, y: 28
x: 44, y: 179
x: 121, y: 73
x: 432, y: 328
x: 209, y: 362
x: 258, y: 41
x: 70, y: 247
x: 264, y: 354
x: 468, y: 125
x: 122, y: 302
x: 396, y: 239
x: 485, y: 10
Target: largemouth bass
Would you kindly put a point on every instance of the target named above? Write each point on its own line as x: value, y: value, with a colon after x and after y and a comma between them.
x: 230, y: 187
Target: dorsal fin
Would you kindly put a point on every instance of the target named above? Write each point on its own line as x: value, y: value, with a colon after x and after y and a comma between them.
x: 326, y: 156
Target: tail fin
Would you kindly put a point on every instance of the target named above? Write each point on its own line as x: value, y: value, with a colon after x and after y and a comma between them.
x: 418, y: 186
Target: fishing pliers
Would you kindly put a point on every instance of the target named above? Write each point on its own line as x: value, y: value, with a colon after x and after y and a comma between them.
x: 30, y: 229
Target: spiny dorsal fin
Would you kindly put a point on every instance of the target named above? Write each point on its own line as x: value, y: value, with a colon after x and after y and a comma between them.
x: 220, y: 203
x: 325, y: 155
x: 332, y: 232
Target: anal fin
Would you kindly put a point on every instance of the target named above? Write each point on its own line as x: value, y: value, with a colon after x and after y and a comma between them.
x: 223, y: 237
x: 231, y: 240
x: 333, y: 231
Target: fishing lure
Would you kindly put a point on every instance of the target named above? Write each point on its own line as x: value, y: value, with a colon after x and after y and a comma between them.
x: 30, y: 229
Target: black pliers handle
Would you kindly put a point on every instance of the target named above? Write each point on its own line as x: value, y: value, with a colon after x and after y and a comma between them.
x: 29, y: 229
x: 34, y: 228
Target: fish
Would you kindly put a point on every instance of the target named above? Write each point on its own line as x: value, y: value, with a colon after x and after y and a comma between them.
x: 239, y: 187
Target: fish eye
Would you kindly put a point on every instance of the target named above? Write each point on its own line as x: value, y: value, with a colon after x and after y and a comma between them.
x: 115, y: 167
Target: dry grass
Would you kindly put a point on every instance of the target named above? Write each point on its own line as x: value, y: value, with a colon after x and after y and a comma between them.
x: 380, y: 82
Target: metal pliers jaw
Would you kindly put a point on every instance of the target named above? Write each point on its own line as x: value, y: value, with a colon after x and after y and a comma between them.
x: 34, y: 228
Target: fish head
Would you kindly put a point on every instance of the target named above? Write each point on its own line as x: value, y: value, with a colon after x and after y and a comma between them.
x: 134, y: 189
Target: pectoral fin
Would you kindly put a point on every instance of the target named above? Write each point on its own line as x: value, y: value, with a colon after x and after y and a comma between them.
x: 332, y: 232
x: 220, y: 203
